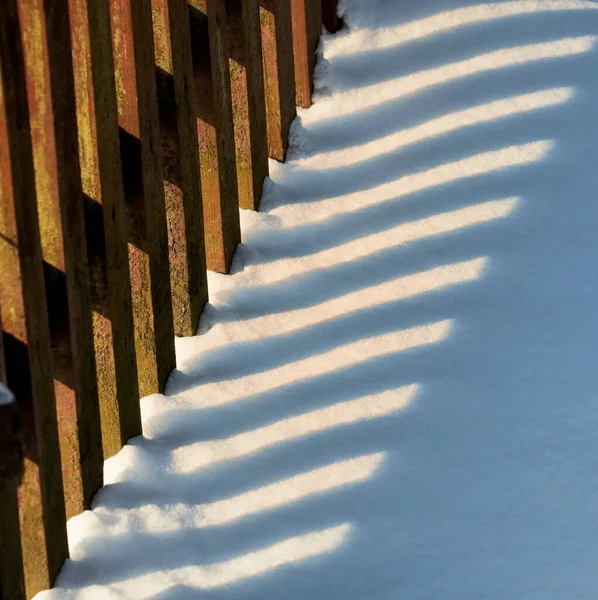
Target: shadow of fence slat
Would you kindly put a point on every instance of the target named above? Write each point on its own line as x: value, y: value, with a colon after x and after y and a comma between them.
x: 130, y: 135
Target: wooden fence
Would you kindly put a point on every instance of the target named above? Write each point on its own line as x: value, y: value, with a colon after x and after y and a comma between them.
x: 130, y: 133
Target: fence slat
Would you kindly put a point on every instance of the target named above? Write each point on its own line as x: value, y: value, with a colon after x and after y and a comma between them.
x: 249, y: 108
x: 307, y: 25
x: 25, y: 321
x: 216, y: 132
x: 329, y: 15
x: 133, y: 48
x: 279, y: 74
x: 46, y: 34
x: 182, y: 187
x: 99, y: 149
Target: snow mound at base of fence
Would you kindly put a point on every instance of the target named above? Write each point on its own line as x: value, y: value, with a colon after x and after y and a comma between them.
x: 394, y: 393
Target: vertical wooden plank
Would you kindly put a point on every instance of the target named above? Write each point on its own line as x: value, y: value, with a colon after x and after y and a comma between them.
x: 330, y: 15
x: 307, y: 24
x: 46, y: 37
x: 25, y: 321
x: 249, y: 108
x: 216, y: 132
x: 279, y: 74
x: 133, y: 47
x: 182, y: 188
x: 12, y: 582
x: 99, y: 153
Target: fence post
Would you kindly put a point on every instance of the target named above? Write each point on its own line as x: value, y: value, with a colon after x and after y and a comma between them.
x: 25, y: 321
x: 140, y: 143
x: 99, y: 149
x: 279, y: 75
x: 307, y: 26
x: 45, y: 30
x: 249, y: 108
x: 182, y: 187
x: 216, y: 132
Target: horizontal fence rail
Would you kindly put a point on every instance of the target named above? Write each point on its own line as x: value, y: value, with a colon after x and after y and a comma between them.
x: 130, y: 135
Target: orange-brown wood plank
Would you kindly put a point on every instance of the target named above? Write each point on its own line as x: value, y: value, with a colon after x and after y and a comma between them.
x: 249, y: 108
x: 45, y: 30
x: 216, y: 132
x: 330, y: 15
x: 279, y: 73
x: 25, y: 322
x: 182, y: 187
x: 307, y: 25
x: 106, y: 223
x: 141, y: 150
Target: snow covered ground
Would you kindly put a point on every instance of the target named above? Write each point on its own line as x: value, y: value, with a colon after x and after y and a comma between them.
x: 395, y: 395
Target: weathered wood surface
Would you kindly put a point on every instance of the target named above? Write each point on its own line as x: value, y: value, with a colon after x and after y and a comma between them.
x: 279, y: 73
x: 215, y: 129
x: 45, y: 29
x: 25, y: 322
x: 182, y: 186
x: 249, y: 108
x: 307, y: 24
x: 99, y: 152
x: 141, y: 145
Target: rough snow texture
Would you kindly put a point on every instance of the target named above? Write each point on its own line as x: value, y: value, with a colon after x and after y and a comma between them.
x: 395, y: 395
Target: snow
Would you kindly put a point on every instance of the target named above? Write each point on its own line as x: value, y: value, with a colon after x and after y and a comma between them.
x: 394, y: 395
x: 6, y: 396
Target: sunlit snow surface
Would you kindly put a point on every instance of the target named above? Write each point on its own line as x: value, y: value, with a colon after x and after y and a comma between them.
x: 395, y: 395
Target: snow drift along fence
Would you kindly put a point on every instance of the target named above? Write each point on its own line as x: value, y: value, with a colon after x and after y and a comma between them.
x: 130, y: 133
